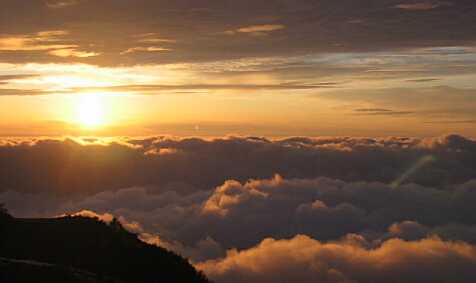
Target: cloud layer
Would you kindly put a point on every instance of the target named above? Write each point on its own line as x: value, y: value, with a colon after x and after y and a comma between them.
x: 83, y: 167
x: 303, y: 259
x: 200, y: 31
x: 342, y: 210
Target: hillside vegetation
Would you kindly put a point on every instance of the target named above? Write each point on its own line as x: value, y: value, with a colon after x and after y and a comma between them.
x: 69, y: 249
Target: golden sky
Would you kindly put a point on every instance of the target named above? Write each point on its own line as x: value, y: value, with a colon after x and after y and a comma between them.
x: 329, y: 140
x: 157, y: 67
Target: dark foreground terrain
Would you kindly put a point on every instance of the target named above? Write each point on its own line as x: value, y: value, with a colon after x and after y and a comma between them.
x: 80, y: 249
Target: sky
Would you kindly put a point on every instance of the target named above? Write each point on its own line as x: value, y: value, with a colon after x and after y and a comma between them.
x: 265, y: 141
x: 212, y: 68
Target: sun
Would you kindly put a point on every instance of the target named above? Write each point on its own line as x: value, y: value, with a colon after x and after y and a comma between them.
x: 90, y: 110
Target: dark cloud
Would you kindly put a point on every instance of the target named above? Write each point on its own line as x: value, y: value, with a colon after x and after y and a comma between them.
x: 193, y: 194
x: 204, y: 164
x: 6, y: 78
x: 380, y: 111
x: 161, y: 89
x: 22, y: 92
x: 198, y: 31
x: 154, y: 89
x: 439, y: 103
x: 411, y: 231
x: 204, y: 224
x: 423, y: 80
x: 453, y: 122
x: 372, y: 110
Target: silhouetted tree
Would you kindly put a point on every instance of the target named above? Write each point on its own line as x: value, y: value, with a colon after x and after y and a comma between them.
x: 4, y: 212
x: 115, y: 224
x: 5, y: 219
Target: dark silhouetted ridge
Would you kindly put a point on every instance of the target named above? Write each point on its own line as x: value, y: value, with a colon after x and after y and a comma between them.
x: 80, y: 249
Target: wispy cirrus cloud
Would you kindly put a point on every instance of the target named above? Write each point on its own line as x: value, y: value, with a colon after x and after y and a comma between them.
x: 452, y: 122
x: 423, y: 6
x: 22, y: 92
x: 424, y: 80
x: 68, y: 52
x: 148, y: 89
x: 292, y: 28
x: 57, y: 43
x: 7, y: 78
x: 153, y: 37
x: 40, y: 41
x: 381, y: 111
x: 257, y: 29
x: 146, y: 49
x: 58, y: 4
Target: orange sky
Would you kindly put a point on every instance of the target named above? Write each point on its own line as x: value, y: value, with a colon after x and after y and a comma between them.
x: 268, y: 73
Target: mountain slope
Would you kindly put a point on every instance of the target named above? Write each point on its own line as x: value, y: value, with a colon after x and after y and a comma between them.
x: 19, y: 271
x: 104, y: 250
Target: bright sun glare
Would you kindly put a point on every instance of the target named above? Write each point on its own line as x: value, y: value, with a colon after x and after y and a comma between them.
x: 90, y: 110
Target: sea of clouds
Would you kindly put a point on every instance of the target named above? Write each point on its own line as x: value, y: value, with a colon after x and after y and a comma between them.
x: 249, y: 209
